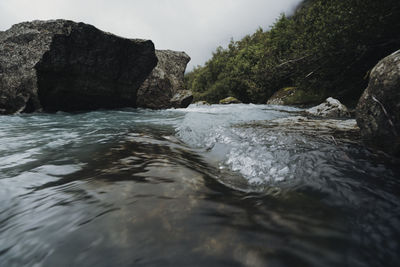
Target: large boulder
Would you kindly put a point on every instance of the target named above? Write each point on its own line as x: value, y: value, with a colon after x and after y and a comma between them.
x: 378, y: 110
x: 64, y: 65
x: 165, y: 86
x: 331, y: 108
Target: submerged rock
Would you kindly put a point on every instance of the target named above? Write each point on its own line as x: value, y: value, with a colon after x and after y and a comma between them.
x: 331, y: 108
x: 328, y: 129
x: 165, y: 87
x: 68, y: 66
x: 230, y: 100
x: 378, y: 110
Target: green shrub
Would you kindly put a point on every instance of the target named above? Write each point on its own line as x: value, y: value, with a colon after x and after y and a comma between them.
x: 325, y: 49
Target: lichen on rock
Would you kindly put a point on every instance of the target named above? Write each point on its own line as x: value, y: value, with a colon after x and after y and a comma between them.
x: 378, y: 110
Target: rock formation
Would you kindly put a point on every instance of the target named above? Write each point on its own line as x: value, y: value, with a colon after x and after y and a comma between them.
x: 331, y: 108
x: 68, y: 66
x: 164, y: 88
x: 202, y: 103
x: 331, y: 130
x: 279, y: 98
x: 293, y: 96
x: 378, y: 110
x: 229, y: 100
x: 182, y: 99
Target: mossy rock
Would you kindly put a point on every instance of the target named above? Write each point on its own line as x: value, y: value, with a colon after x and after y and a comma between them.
x: 229, y: 100
x: 279, y: 97
x: 293, y: 96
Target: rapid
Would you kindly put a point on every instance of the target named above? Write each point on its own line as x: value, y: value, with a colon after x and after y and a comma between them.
x: 219, y: 185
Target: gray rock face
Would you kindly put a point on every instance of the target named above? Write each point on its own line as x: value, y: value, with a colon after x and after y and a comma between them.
x: 331, y: 108
x: 165, y: 82
x: 378, y: 110
x: 182, y: 99
x: 68, y: 66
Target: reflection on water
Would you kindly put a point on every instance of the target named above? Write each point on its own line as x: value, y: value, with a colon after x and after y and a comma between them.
x: 141, y: 197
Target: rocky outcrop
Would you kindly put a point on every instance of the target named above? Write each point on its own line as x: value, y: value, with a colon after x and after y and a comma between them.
x: 279, y: 98
x: 165, y: 87
x: 182, y: 99
x: 378, y: 110
x: 331, y: 108
x: 68, y: 66
x: 229, y: 100
x: 293, y: 96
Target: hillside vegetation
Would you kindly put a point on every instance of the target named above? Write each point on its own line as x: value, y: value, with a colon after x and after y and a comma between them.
x: 326, y: 48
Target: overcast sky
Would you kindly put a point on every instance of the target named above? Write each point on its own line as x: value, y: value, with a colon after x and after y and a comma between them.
x: 194, y: 26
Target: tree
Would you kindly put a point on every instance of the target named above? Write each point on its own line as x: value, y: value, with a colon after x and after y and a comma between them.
x: 325, y: 48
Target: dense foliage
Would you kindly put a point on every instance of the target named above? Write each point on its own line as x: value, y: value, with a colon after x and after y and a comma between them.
x: 326, y: 48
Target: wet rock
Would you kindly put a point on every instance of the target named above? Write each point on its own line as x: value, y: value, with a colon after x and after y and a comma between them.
x: 202, y: 103
x: 329, y: 129
x: 182, y: 99
x: 331, y: 108
x: 64, y: 65
x: 165, y: 87
x: 378, y: 110
x: 229, y: 100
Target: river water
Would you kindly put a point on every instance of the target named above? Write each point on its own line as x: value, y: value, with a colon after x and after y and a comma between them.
x: 203, y: 186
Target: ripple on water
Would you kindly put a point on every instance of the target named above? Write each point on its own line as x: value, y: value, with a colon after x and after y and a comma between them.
x: 218, y: 185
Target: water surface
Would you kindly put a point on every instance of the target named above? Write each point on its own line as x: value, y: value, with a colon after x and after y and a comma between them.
x: 208, y: 185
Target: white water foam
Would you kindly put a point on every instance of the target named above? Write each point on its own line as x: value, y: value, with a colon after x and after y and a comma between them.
x: 256, y: 156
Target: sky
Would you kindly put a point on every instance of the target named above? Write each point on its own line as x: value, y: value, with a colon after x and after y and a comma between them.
x: 197, y: 27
